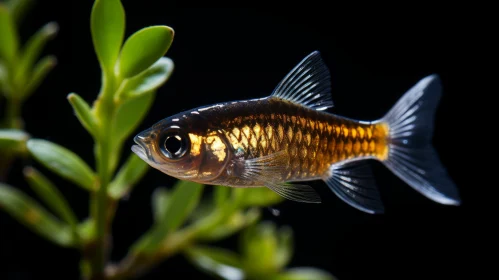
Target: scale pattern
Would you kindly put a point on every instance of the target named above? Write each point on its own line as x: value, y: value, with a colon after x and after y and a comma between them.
x: 313, y: 140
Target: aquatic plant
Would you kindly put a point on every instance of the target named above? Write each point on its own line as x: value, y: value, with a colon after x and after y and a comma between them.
x: 185, y: 217
x: 21, y: 73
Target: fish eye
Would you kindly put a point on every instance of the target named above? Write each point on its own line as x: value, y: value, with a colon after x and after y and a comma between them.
x: 173, y: 144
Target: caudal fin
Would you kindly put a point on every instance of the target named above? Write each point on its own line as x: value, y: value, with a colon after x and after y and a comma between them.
x: 411, y: 155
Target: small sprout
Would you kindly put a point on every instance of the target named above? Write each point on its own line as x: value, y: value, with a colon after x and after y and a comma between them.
x: 83, y: 113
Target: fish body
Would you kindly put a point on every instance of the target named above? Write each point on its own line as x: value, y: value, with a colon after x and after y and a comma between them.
x: 287, y: 138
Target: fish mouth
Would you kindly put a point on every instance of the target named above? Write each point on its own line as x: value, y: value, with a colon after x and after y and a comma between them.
x: 141, y: 149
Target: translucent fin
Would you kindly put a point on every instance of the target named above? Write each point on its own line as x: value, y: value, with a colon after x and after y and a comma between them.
x: 411, y: 155
x: 354, y: 184
x: 295, y: 192
x: 269, y: 169
x: 308, y: 84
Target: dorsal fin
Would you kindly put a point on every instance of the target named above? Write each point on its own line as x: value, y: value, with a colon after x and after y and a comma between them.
x: 308, y: 84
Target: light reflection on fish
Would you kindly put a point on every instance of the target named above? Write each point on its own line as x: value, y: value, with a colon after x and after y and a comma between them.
x: 288, y: 137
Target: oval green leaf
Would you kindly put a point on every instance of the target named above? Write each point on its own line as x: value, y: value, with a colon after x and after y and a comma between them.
x: 149, y: 80
x: 29, y: 213
x: 143, y: 48
x: 305, y: 273
x: 8, y: 36
x: 83, y: 113
x: 216, y: 261
x: 13, y: 139
x: 130, y: 114
x: 107, y: 24
x: 63, y: 162
x: 128, y: 175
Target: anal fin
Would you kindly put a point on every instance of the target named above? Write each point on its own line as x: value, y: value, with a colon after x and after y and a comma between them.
x: 353, y: 182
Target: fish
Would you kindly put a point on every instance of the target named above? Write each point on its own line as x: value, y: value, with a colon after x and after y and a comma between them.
x: 288, y: 138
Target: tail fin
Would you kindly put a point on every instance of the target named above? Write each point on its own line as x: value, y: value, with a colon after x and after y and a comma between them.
x: 411, y: 155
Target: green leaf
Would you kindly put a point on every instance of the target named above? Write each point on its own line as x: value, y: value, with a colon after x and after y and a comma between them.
x: 221, y: 194
x: 216, y: 261
x: 33, y: 49
x: 259, y: 246
x: 51, y: 196
x: 143, y: 48
x: 184, y: 198
x: 8, y: 36
x: 13, y: 139
x: 232, y: 224
x: 107, y: 24
x: 63, y: 162
x: 305, y: 273
x: 128, y: 175
x: 33, y: 216
x: 18, y: 9
x: 149, y: 80
x: 284, y: 251
x: 41, y: 70
x: 130, y: 115
x: 83, y: 113
x: 160, y: 200
x: 261, y: 197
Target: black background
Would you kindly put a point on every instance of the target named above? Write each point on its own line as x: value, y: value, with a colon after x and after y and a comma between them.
x: 231, y: 54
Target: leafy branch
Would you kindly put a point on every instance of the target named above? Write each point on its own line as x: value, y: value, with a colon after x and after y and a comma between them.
x: 21, y: 73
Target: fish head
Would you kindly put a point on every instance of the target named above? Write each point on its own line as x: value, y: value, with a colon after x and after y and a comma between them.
x: 184, y: 147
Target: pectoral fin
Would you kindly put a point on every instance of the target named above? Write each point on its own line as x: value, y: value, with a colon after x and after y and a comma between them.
x: 269, y: 170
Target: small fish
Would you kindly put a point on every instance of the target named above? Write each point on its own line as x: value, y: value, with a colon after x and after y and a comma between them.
x: 287, y: 138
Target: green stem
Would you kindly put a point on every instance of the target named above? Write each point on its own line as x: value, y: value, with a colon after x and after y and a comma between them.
x: 12, y: 120
x: 105, y: 109
x: 13, y: 113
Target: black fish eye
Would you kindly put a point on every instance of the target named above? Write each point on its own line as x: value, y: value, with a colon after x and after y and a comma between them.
x: 173, y: 144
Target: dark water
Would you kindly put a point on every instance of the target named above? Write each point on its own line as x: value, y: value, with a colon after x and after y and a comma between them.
x: 228, y: 54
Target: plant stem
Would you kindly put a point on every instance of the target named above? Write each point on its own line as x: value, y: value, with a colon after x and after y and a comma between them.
x: 103, y: 148
x: 13, y: 113
x: 12, y: 120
